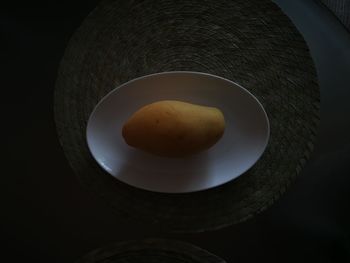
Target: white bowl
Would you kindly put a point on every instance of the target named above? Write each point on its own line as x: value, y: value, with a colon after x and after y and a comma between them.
x: 244, y: 141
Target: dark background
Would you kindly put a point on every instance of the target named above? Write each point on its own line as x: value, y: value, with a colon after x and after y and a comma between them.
x: 46, y: 216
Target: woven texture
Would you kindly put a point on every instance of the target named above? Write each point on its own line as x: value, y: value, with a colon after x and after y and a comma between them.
x: 341, y: 9
x: 250, y: 42
x: 150, y: 251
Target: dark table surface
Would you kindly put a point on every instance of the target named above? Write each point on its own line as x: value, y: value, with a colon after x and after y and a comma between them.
x: 46, y: 216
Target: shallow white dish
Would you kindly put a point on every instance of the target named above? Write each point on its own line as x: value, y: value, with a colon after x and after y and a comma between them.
x: 245, y: 138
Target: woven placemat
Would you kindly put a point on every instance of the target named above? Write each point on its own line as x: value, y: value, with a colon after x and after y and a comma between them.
x: 150, y: 251
x: 250, y: 42
x: 341, y: 9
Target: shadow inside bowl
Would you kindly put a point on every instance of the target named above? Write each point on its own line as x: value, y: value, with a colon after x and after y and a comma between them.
x: 167, y: 175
